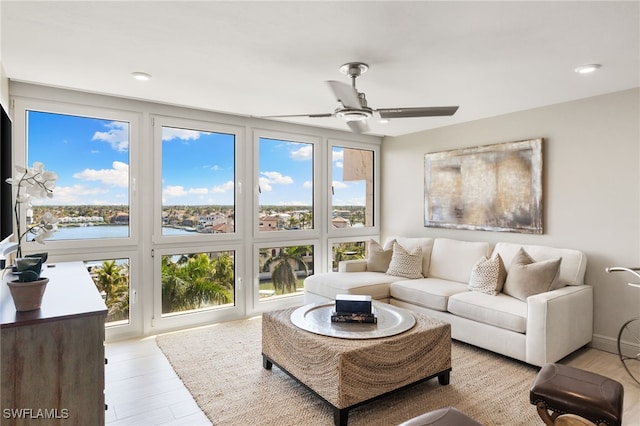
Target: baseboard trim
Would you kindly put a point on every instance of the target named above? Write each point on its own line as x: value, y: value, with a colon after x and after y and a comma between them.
x: 609, y: 344
x: 604, y: 343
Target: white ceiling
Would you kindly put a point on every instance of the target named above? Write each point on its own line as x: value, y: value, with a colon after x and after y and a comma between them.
x: 270, y: 58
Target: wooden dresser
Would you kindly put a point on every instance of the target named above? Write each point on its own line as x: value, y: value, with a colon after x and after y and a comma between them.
x: 52, y: 359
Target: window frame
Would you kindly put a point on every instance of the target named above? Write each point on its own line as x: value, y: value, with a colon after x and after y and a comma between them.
x: 158, y: 122
x: 287, y: 235
x: 364, y: 231
x: 20, y: 139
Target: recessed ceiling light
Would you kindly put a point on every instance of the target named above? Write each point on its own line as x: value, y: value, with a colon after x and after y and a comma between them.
x: 142, y: 76
x: 587, y: 69
x: 383, y: 120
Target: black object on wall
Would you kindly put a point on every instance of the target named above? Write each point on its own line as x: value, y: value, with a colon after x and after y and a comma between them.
x: 6, y: 171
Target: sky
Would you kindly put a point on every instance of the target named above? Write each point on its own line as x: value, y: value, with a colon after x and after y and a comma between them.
x: 91, y: 158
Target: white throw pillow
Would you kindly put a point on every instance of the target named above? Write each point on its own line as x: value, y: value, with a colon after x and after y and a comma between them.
x: 488, y: 275
x: 527, y: 277
x: 378, y: 259
x: 405, y: 264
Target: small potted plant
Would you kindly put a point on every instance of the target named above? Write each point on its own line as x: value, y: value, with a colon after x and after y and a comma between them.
x: 27, y: 291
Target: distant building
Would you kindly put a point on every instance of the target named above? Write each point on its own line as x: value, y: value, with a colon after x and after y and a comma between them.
x: 340, y: 222
x: 120, y: 219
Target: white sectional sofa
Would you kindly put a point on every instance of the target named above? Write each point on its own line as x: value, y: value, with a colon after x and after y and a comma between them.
x: 537, y: 329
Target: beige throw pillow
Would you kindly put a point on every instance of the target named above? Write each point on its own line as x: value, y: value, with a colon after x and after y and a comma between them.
x: 488, y: 275
x: 405, y: 264
x: 378, y: 258
x: 527, y: 277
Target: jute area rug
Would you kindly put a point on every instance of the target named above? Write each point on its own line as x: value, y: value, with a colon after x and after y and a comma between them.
x: 221, y: 365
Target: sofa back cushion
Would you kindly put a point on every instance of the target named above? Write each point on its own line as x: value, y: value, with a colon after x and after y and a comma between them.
x: 453, y: 260
x: 410, y: 243
x: 572, y: 266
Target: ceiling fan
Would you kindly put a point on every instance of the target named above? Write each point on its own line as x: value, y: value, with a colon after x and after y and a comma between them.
x: 353, y: 106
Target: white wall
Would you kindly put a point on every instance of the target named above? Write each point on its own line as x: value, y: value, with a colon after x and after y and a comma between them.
x: 591, y: 189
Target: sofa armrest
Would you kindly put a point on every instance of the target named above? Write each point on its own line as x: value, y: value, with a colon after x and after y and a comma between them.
x: 354, y: 265
x: 558, y: 323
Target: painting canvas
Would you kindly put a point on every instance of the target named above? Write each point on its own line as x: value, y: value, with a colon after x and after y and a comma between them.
x: 490, y: 188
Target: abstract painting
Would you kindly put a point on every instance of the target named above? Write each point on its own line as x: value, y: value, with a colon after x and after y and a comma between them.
x: 490, y: 188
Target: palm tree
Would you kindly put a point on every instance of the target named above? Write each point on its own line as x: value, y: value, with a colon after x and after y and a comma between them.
x: 195, y: 281
x: 113, y: 280
x: 284, y: 265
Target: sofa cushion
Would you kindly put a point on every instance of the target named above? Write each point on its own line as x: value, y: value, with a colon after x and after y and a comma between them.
x: 409, y: 243
x: 405, y: 264
x: 488, y: 275
x: 378, y: 258
x: 432, y: 293
x: 501, y: 311
x: 375, y: 284
x: 453, y: 259
x: 527, y: 277
x: 572, y: 268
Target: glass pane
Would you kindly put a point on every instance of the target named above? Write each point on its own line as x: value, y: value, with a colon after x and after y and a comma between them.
x: 198, y: 182
x: 347, y: 251
x: 111, y: 277
x: 286, y: 185
x: 91, y: 158
x: 283, y: 270
x: 352, y: 187
x: 195, y: 281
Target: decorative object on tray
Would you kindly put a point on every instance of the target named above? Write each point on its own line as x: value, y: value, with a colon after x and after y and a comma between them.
x: 33, y: 183
x: 27, y: 291
x: 353, y: 308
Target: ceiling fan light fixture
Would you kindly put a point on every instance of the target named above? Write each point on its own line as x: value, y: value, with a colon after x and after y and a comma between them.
x: 141, y: 76
x: 349, y: 114
x: 587, y: 69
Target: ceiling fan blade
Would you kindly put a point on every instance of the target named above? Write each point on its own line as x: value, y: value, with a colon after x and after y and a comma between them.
x: 329, y: 114
x: 417, y: 112
x: 346, y: 94
x: 358, y: 126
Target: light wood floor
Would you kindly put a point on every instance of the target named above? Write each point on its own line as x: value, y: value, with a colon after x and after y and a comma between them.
x: 143, y: 390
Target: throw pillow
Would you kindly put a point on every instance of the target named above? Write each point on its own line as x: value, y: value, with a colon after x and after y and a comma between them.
x: 527, y: 277
x: 405, y: 264
x: 488, y: 275
x: 378, y: 258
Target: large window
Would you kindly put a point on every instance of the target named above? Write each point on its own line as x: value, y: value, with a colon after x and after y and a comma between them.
x: 184, y: 219
x: 285, y: 185
x: 283, y: 270
x: 352, y: 187
x: 91, y: 158
x: 198, y: 181
x: 197, y: 281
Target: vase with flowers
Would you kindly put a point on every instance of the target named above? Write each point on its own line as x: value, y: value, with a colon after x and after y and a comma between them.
x: 30, y: 183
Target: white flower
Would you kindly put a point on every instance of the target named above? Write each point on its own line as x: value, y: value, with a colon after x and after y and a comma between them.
x: 34, y: 182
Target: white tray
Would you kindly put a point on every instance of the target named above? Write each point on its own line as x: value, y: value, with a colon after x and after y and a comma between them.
x: 316, y: 318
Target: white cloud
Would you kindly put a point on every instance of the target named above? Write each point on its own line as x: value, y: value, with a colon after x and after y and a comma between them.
x: 337, y: 155
x: 277, y: 178
x: 302, y: 154
x: 227, y: 186
x: 169, y: 133
x: 307, y: 184
x: 117, y: 135
x: 339, y: 184
x: 116, y: 176
x: 173, y: 191
x: 74, y: 194
x: 339, y: 164
x: 265, y: 185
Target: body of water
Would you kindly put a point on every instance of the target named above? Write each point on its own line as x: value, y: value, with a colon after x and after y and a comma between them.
x: 106, y: 231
